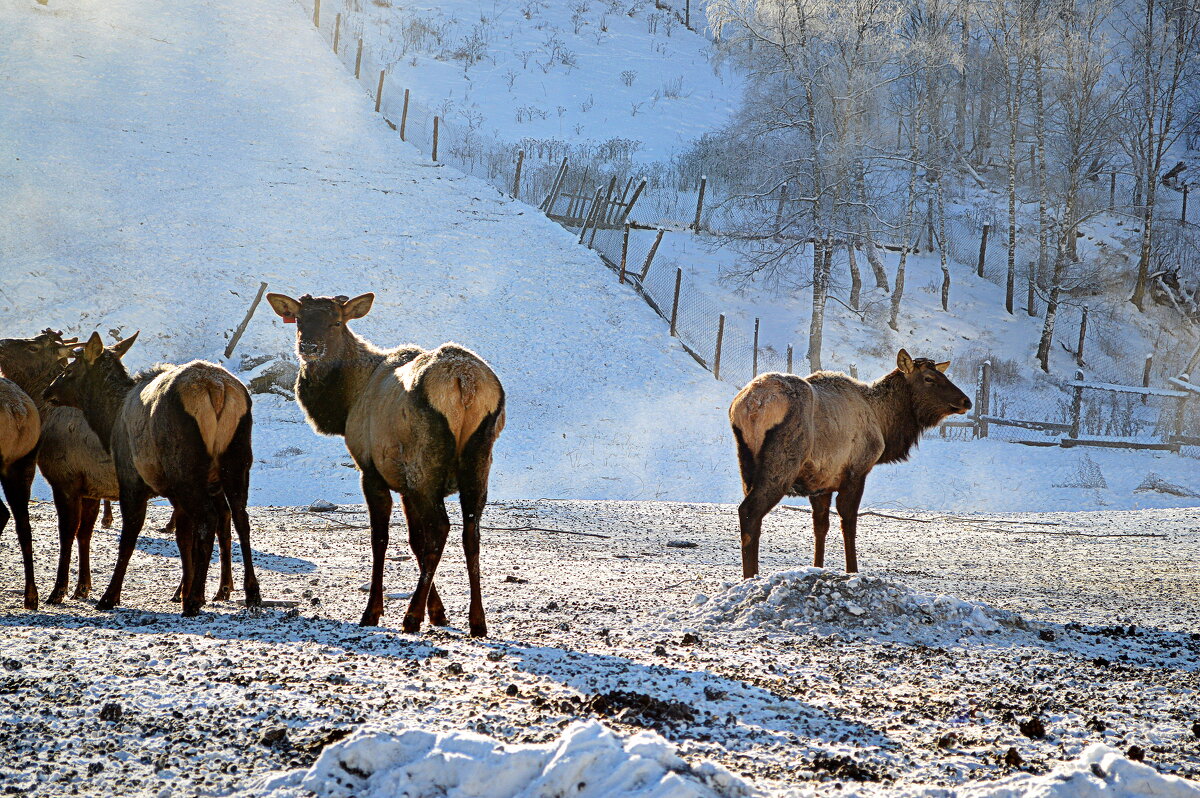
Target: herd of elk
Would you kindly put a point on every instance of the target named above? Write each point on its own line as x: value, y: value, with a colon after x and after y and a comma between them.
x: 418, y: 422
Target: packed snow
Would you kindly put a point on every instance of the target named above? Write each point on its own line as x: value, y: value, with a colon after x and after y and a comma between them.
x: 588, y: 761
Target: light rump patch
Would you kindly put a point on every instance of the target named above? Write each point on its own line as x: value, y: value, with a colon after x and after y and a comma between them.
x: 758, y: 408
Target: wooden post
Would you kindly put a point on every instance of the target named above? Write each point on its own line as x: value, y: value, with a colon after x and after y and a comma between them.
x: 650, y: 255
x: 358, y: 60
x: 624, y: 252
x: 687, y: 14
x: 517, y: 177
x: 675, y: 302
x: 337, y: 31
x: 602, y: 212
x: 591, y: 214
x: 789, y: 368
x: 717, y: 355
x: 241, y: 328
x: 754, y: 364
x: 316, y: 13
x: 700, y: 204
x: 983, y: 398
x: 1180, y: 408
x: 1082, y: 332
x: 987, y: 228
x: 1077, y: 404
x: 1146, y: 374
x: 1183, y: 210
x: 637, y: 193
x: 379, y: 90
x: 1112, y: 190
x: 779, y: 211
x: 435, y: 138
x: 404, y: 118
x: 1195, y: 361
x: 854, y: 370
x: 548, y: 204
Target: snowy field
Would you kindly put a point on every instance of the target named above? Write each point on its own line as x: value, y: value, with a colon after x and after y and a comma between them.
x: 921, y: 672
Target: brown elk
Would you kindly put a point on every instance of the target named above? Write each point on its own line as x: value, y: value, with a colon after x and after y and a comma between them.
x: 182, y: 432
x: 421, y: 423
x: 822, y: 434
x: 73, y: 461
x: 20, y: 426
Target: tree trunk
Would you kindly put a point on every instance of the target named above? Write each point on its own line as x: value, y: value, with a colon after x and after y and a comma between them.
x: 876, y: 262
x: 906, y: 231
x: 1014, y: 119
x: 965, y: 48
x: 817, y: 324
x: 941, y: 232
x: 855, y: 275
x: 1040, y: 176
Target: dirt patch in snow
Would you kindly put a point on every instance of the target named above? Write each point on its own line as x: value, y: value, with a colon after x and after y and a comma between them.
x: 811, y: 599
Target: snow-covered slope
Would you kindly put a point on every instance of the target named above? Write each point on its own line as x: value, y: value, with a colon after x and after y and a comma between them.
x: 160, y: 159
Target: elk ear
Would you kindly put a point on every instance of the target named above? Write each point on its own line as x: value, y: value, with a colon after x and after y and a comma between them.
x: 904, y: 362
x: 942, y: 366
x: 358, y: 307
x: 120, y: 348
x: 93, y: 348
x: 286, y: 307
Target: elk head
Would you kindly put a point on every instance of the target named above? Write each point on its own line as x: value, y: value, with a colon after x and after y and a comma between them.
x: 934, y: 396
x: 89, y: 368
x: 34, y: 362
x: 321, y: 332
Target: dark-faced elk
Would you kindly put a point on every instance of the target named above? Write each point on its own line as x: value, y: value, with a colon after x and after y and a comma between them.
x: 20, y: 426
x: 182, y: 432
x: 79, y: 471
x: 421, y: 423
x: 822, y: 434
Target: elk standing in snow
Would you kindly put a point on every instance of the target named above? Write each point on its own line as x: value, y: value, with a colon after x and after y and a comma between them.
x: 182, y: 432
x: 421, y: 423
x: 822, y: 434
x: 20, y: 426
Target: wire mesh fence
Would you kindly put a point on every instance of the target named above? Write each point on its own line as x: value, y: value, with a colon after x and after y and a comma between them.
x: 600, y: 193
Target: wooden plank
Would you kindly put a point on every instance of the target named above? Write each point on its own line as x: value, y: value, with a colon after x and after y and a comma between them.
x: 1185, y: 440
x: 1041, y: 426
x: 1108, y: 386
x: 1117, y: 443
x: 1187, y: 386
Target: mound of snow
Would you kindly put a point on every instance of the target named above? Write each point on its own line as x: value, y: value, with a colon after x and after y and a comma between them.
x: 587, y: 760
x: 814, y: 598
x: 1098, y: 771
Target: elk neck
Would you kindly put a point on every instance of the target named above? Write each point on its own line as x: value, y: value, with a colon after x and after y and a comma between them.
x: 328, y: 388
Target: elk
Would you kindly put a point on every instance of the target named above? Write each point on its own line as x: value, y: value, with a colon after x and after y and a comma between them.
x: 421, y: 423
x: 822, y: 434
x: 73, y: 461
x: 20, y: 426
x: 182, y: 432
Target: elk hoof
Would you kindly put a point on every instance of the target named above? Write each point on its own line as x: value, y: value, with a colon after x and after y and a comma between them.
x: 106, y: 603
x: 479, y: 630
x: 31, y: 599
x: 178, y: 594
x: 191, y: 610
x: 57, y: 596
x: 222, y: 594
x: 439, y: 618
x: 82, y: 591
x: 253, y: 595
x: 370, y: 618
x: 412, y: 624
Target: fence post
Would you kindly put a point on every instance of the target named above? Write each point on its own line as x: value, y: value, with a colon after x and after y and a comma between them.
x: 700, y: 203
x: 602, y: 212
x: 358, y: 60
x: 717, y: 355
x: 591, y: 214
x: 241, y: 328
x: 517, y: 177
x: 1077, y: 404
x: 436, y: 125
x: 1195, y: 361
x: 754, y: 362
x: 1146, y: 374
x: 789, y: 370
x: 624, y: 252
x: 404, y: 117
x: 1183, y: 210
x: 636, y: 193
x: 987, y: 228
x: 379, y: 90
x: 1112, y: 190
x: 555, y: 188
x: 1082, y: 333
x: 983, y: 398
x: 779, y: 211
x: 854, y: 370
x: 675, y: 302
x: 687, y: 14
x: 337, y: 31
x: 316, y: 13
x: 1179, y: 409
x: 650, y: 255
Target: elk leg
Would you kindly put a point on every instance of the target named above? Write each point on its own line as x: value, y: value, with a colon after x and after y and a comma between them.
x: 434, y: 607
x: 225, y: 542
x: 207, y: 523
x: 69, y: 510
x: 379, y: 508
x: 820, y: 513
x: 473, y: 470
x: 436, y: 526
x: 107, y: 520
x: 133, y: 516
x: 16, y: 483
x: 235, y: 478
x: 758, y: 502
x: 848, y: 499
x: 184, y: 531
x: 89, y: 509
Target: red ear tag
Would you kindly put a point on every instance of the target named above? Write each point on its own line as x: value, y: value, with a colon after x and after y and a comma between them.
x: 289, y: 319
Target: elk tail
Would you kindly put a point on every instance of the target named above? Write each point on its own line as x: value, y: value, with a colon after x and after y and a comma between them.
x: 461, y: 387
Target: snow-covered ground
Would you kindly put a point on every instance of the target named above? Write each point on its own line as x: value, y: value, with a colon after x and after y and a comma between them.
x: 1094, y: 636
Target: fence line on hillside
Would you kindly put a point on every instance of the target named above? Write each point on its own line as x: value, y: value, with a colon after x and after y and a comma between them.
x: 625, y: 224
